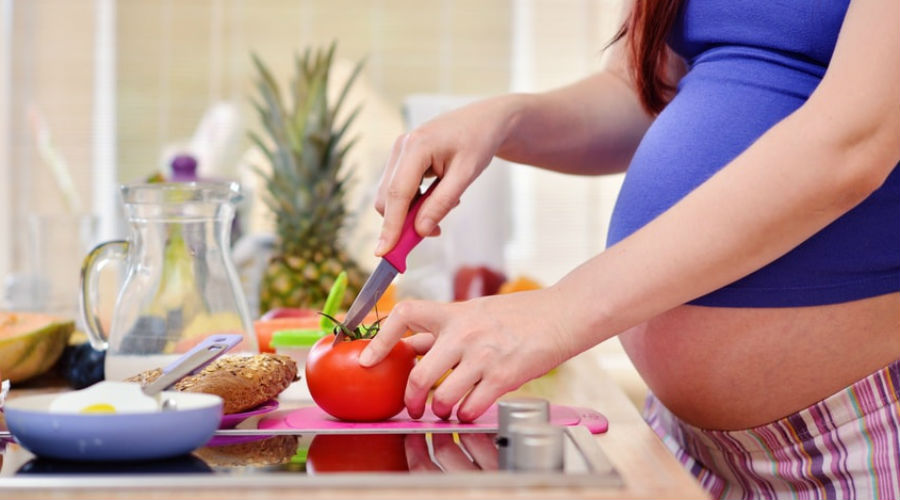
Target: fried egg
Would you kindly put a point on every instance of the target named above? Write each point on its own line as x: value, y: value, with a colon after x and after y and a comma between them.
x: 106, y: 398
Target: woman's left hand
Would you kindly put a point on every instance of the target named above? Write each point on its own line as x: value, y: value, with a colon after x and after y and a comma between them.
x: 492, y: 345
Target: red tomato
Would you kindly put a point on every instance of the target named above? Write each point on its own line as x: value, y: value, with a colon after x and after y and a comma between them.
x: 357, y: 453
x: 346, y: 390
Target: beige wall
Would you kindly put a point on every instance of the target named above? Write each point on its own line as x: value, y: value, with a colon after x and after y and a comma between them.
x: 175, y: 58
x: 51, y: 73
x: 6, y: 223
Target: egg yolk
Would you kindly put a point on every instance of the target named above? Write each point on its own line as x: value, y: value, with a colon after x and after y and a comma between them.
x: 99, y: 408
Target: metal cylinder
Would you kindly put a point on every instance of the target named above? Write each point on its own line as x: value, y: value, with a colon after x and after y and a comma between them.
x: 517, y: 411
x: 535, y: 447
x: 520, y: 411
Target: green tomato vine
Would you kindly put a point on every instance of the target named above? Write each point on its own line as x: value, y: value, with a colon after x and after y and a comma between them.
x: 358, y: 333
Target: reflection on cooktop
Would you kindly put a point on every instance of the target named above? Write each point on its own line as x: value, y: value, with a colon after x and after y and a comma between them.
x: 287, y: 460
x: 401, y: 453
x: 310, y: 454
x: 187, y: 464
x: 252, y: 451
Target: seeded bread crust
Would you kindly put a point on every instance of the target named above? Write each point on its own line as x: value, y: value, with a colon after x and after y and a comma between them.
x: 243, y: 382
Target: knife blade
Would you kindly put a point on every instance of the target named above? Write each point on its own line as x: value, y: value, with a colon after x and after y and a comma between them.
x: 371, y: 291
x: 392, y: 264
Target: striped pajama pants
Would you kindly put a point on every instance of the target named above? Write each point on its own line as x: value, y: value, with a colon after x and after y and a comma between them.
x: 846, y: 446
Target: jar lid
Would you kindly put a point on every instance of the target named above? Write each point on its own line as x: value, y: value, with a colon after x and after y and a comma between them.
x: 296, y: 338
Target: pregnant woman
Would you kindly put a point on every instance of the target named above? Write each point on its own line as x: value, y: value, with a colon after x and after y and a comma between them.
x: 753, y: 266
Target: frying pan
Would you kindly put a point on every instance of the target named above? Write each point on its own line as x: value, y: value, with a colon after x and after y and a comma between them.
x: 142, y: 428
x: 116, y: 436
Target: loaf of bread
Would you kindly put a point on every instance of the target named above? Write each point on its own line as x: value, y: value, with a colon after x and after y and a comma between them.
x: 242, y: 381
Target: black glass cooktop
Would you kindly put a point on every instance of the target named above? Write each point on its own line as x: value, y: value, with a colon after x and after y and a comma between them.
x: 365, y: 460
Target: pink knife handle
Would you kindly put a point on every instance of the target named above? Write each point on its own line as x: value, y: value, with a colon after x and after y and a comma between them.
x: 409, y: 238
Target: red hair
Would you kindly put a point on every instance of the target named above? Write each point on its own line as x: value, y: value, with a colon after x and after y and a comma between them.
x: 645, y: 30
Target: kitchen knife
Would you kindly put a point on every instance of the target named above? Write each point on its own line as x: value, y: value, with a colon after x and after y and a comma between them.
x: 393, y: 263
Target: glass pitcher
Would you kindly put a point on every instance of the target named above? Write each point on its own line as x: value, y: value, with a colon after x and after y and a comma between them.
x: 180, y: 284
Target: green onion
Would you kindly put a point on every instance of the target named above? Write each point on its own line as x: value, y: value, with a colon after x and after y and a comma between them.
x: 335, y: 297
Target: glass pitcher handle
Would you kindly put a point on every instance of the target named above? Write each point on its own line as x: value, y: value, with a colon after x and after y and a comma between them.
x: 101, y: 255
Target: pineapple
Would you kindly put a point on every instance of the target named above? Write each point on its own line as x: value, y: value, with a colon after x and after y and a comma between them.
x: 306, y: 187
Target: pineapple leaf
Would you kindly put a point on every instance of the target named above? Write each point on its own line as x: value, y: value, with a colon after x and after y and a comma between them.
x: 306, y: 144
x: 274, y: 122
x: 346, y: 90
x: 258, y: 142
x: 266, y: 75
x: 337, y: 136
x: 343, y: 151
x: 349, y: 120
x: 300, y: 94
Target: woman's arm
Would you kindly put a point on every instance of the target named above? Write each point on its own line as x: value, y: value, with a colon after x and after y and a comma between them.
x: 801, y: 175
x: 590, y: 127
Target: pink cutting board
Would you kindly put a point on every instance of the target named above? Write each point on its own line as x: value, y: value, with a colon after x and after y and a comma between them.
x: 312, y: 419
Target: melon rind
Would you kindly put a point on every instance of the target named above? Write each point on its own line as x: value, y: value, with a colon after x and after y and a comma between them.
x: 32, y: 353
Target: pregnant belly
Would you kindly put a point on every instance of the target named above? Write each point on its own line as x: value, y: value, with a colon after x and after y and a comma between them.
x: 721, y: 108
x: 734, y: 368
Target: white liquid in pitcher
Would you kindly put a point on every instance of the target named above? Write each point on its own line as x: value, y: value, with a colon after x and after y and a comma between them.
x: 120, y: 367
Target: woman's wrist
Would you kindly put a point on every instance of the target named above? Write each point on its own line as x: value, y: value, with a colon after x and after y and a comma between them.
x: 512, y: 108
x: 566, y: 321
x: 584, y: 314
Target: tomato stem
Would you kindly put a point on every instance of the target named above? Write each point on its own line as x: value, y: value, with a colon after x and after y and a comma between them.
x: 358, y: 333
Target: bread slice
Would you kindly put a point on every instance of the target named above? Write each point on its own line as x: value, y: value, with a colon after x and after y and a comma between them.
x: 242, y: 381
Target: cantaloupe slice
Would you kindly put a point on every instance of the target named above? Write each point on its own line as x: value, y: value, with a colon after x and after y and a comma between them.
x: 30, y: 343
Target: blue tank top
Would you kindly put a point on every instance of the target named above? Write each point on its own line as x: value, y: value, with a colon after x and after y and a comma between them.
x: 750, y: 64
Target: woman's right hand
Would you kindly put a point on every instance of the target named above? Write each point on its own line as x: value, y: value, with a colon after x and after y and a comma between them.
x: 456, y: 147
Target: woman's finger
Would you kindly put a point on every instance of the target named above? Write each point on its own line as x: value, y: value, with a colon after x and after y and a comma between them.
x: 444, y: 198
x: 415, y: 315
x: 481, y: 448
x: 458, y: 382
x: 449, y: 455
x: 424, y: 375
x: 420, y: 342
x: 402, y: 187
x: 387, y: 174
x: 478, y: 400
x: 417, y: 457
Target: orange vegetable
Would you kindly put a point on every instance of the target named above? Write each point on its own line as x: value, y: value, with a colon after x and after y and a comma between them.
x: 387, y: 301
x: 266, y: 328
x: 519, y: 284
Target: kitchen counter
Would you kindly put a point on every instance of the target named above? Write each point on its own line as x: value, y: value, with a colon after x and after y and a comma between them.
x: 646, y: 468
